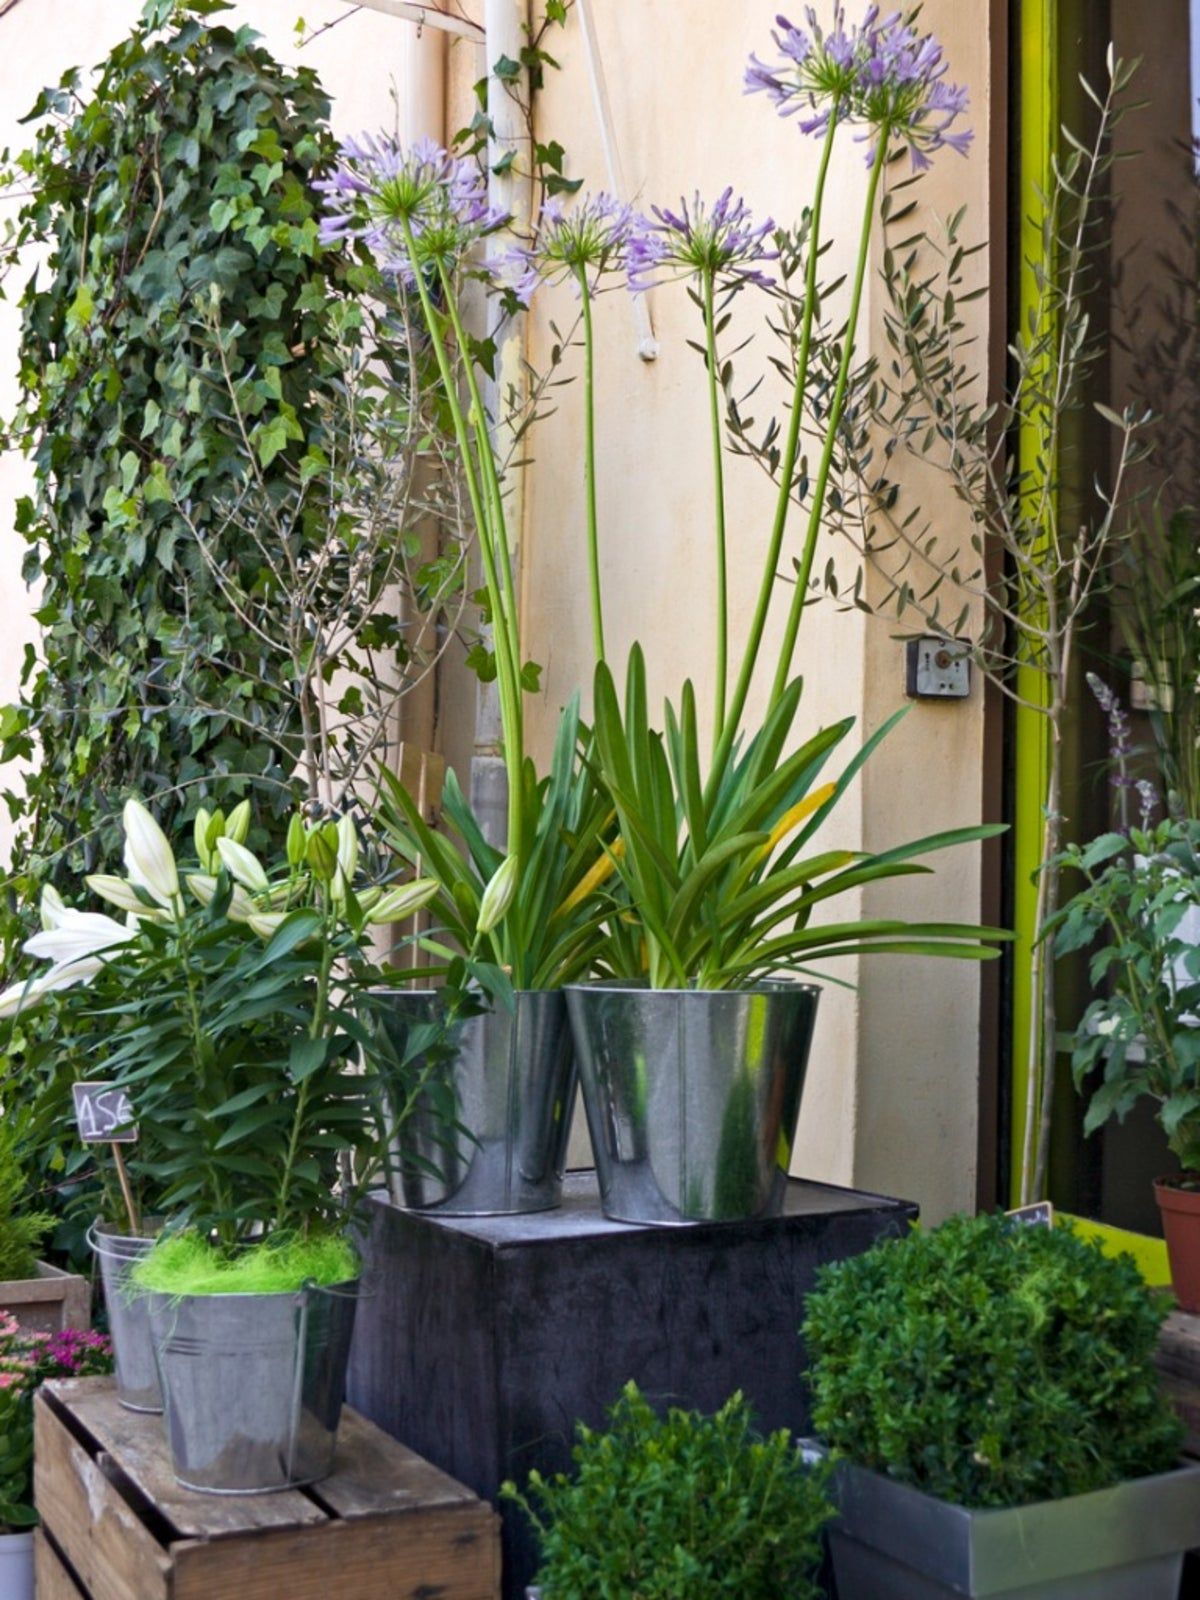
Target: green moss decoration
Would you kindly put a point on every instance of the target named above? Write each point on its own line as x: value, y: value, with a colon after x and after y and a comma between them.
x: 185, y: 1264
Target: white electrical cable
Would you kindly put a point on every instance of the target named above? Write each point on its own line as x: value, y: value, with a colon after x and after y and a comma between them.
x: 647, y: 344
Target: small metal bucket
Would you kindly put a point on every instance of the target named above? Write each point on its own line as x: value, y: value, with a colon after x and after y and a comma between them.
x: 692, y: 1096
x: 253, y: 1385
x: 488, y: 1133
x: 128, y: 1316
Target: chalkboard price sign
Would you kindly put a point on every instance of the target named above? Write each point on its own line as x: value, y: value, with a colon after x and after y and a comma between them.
x: 1038, y: 1215
x: 104, y: 1114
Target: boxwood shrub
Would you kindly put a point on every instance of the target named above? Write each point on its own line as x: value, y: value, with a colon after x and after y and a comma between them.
x: 686, y: 1504
x: 990, y: 1364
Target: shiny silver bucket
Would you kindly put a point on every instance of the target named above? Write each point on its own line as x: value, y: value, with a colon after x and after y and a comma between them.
x: 488, y: 1133
x: 692, y: 1096
x: 128, y: 1316
x: 253, y: 1385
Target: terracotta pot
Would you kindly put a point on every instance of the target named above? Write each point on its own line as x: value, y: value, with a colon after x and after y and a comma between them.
x: 1180, y: 1209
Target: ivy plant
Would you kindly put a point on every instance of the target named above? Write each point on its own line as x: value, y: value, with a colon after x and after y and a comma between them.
x: 176, y: 185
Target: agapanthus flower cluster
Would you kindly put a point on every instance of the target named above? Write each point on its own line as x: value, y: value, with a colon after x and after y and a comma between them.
x: 720, y: 240
x: 879, y: 73
x: 581, y: 241
x: 411, y: 207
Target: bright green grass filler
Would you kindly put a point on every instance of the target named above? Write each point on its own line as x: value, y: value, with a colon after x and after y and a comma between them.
x: 184, y: 1264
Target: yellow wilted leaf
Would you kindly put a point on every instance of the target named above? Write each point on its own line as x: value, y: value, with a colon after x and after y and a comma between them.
x: 593, y: 877
x: 797, y: 813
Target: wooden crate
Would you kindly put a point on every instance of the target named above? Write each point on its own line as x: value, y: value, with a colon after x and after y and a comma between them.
x: 52, y: 1301
x: 1178, y: 1362
x: 116, y: 1526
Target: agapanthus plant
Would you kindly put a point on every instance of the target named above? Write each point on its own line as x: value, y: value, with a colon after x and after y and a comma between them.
x: 691, y: 844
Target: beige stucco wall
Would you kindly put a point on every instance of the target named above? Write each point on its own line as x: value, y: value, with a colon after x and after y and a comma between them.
x: 891, y: 1100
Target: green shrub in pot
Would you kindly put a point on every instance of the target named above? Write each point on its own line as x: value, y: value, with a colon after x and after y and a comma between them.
x: 986, y: 1365
x: 683, y: 1504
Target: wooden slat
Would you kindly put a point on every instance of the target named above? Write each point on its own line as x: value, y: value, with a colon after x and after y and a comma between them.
x: 106, y: 1542
x: 373, y: 1474
x: 447, y: 1554
x: 143, y: 1455
x: 1178, y: 1362
x: 51, y: 1580
x: 53, y: 1300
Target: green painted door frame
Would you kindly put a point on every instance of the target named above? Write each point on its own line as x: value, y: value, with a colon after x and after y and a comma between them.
x: 1039, y: 37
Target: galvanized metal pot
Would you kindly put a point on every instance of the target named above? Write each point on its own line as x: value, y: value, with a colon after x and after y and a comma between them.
x: 16, y: 1565
x: 252, y: 1385
x: 128, y: 1316
x: 892, y: 1542
x: 692, y: 1095
x: 489, y: 1133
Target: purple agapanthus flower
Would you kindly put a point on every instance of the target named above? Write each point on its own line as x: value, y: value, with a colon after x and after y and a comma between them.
x: 721, y: 240
x: 584, y: 240
x: 382, y: 192
x: 879, y: 73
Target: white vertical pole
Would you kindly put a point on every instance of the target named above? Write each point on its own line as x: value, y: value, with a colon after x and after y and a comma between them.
x: 507, y: 27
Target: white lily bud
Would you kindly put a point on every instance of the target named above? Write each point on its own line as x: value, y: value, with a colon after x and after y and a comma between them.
x: 237, y: 826
x: 347, y: 846
x: 121, y: 894
x: 404, y: 901
x: 297, y: 840
x: 242, y: 865
x: 200, y: 837
x: 203, y: 885
x: 498, y: 895
x: 149, y: 859
x: 265, y: 923
x: 51, y: 907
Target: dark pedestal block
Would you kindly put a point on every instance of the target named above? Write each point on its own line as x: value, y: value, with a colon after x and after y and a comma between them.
x: 482, y: 1340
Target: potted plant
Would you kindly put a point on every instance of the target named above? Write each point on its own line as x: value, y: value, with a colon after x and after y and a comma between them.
x: 1138, y: 904
x: 696, y: 879
x: 39, y: 1295
x: 513, y: 919
x: 26, y: 1360
x: 988, y: 1393
x: 683, y: 1504
x: 233, y: 1003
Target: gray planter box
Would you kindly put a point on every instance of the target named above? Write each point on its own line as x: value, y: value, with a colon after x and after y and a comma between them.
x: 892, y: 1542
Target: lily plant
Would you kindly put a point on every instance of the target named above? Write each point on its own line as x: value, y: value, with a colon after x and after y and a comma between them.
x: 230, y: 1005
x: 699, y: 872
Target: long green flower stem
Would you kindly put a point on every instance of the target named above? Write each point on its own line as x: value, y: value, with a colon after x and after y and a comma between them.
x: 315, y: 1027
x: 508, y: 676
x: 833, y: 422
x: 714, y: 406
x: 787, y: 468
x: 491, y: 478
x: 589, y: 463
